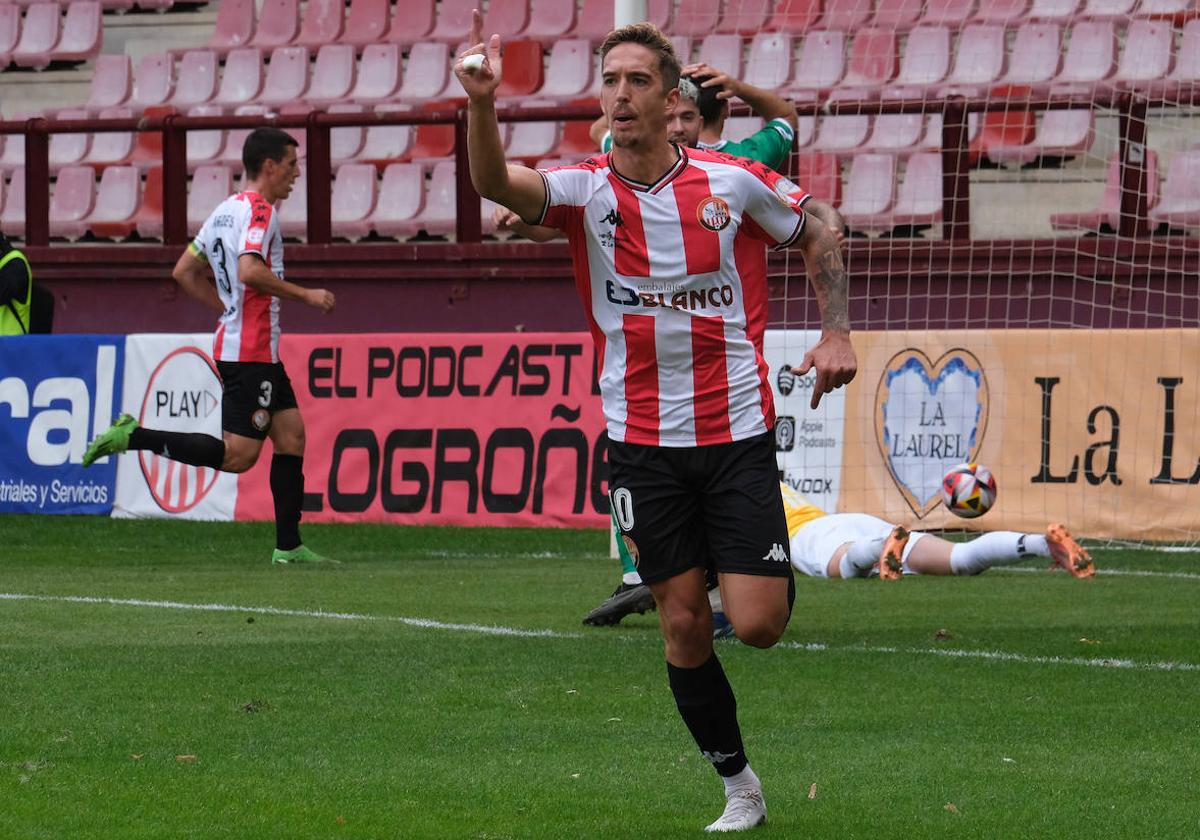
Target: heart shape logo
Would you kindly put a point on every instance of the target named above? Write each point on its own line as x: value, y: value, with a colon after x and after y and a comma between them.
x: 929, y: 416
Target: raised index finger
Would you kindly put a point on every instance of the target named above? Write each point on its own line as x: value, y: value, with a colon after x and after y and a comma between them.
x: 476, y: 36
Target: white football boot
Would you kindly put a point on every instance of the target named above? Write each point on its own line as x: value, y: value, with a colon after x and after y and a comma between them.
x: 744, y: 809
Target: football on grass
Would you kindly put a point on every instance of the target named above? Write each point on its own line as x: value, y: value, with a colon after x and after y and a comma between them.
x: 969, y: 490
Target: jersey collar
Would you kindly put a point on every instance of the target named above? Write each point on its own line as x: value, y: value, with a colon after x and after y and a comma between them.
x: 667, y: 177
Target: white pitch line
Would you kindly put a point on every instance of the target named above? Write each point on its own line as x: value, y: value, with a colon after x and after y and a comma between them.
x: 1146, y: 573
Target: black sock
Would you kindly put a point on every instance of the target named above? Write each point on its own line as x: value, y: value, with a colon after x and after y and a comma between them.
x: 707, y: 705
x: 287, y: 488
x: 185, y: 447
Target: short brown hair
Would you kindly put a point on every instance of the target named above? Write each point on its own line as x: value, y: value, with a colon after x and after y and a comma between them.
x: 649, y: 36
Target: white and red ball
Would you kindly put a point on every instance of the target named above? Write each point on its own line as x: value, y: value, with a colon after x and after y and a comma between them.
x: 969, y: 490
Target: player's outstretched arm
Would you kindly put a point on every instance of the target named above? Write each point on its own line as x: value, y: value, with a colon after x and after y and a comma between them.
x: 191, y: 273
x: 832, y: 356
x: 516, y: 187
x: 254, y: 273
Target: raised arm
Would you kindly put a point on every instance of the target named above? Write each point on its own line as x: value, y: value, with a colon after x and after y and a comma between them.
x: 832, y: 356
x: 764, y: 103
x: 516, y: 187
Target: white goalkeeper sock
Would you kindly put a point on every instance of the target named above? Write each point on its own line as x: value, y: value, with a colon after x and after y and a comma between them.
x: 999, y: 548
x: 860, y: 557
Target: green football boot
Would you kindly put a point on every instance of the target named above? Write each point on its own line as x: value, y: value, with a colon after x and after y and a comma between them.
x: 301, y: 555
x: 114, y: 441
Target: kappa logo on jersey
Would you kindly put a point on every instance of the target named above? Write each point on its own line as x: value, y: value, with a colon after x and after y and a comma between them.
x: 777, y: 554
x: 713, y: 213
x: 613, y: 218
x: 254, y: 236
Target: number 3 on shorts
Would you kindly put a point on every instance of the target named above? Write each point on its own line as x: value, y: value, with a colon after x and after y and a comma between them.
x: 622, y: 505
x: 264, y: 397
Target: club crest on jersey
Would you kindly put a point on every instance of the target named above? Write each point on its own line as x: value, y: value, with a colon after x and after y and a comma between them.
x: 713, y: 213
x: 254, y: 236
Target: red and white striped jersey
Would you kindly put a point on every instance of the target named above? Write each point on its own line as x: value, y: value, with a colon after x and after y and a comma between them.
x: 249, y: 328
x: 673, y: 278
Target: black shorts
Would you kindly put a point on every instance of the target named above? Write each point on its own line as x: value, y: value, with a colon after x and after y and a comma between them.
x: 254, y: 391
x: 715, y: 507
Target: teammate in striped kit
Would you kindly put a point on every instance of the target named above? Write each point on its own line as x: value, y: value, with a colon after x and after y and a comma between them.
x: 669, y: 250
x: 242, y: 244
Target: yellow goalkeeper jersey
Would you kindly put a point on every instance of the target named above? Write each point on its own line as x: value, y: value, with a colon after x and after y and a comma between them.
x: 800, y: 511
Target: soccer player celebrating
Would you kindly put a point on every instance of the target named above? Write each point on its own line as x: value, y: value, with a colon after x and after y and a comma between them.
x: 243, y: 246
x: 670, y: 263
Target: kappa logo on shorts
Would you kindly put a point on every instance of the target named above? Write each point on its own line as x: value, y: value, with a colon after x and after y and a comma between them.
x: 713, y: 213
x: 776, y: 554
x: 261, y: 419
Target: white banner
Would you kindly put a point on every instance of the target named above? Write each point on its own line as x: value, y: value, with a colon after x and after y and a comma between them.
x: 808, y: 443
x: 171, y: 384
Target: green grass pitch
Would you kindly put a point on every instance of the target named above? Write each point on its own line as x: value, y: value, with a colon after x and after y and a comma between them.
x: 126, y: 719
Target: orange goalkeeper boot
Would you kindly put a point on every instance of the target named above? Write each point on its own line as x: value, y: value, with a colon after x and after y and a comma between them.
x: 1067, y: 553
x: 891, y: 559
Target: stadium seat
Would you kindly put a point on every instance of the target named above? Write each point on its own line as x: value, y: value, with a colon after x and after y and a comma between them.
x: 232, y: 156
x: 794, y: 16
x: 287, y: 76
x: 1108, y: 211
x: 1062, y: 133
x: 204, y: 146
x: 744, y: 17
x: 919, y: 199
x: 933, y: 131
x: 345, y: 142
x: 435, y: 141
x: 293, y: 210
x: 411, y: 23
x: 1185, y: 76
x: 323, y: 23
x: 117, y: 202
x: 81, y: 32
x: 532, y: 140
x: 71, y: 201
x: 67, y: 149
x: 951, y: 13
x: 522, y: 69
x: 12, y: 219
x: 806, y: 131
x: 846, y: 15
x: 278, y: 24
x: 234, y: 27
x: 660, y: 13
x: 1115, y: 9
x: 367, y: 23
x: 197, y: 80
x: 508, y: 18
x: 297, y: 109
x: 769, y: 64
x: 439, y: 210
x: 595, y: 19
x: 10, y: 31
x: 379, y: 72
x: 155, y: 80
x: 1004, y: 12
x: 333, y: 75
x: 898, y: 134
x: 112, y: 79
x: 147, y: 219
x: 1036, y: 55
x: 723, y: 52
x: 842, y: 135
x: 569, y: 71
x: 1009, y: 127
x: 550, y: 21
x: 696, y: 18
x: 1091, y: 57
x: 738, y: 129
x: 924, y: 64
x: 210, y: 186
x: 1173, y: 10
x: 454, y: 20
x: 401, y: 199
x: 682, y: 44
x: 872, y: 63
x: 1180, y: 203
x: 39, y: 34
x: 869, y: 192
x: 575, y: 142
x: 1147, y: 54
x: 898, y: 15
x: 978, y: 62
x: 147, y: 145
x: 428, y: 71
x: 12, y: 156
x: 821, y: 64
x: 111, y: 148
x: 1056, y: 11
x: 386, y: 143
x: 242, y: 79
x: 352, y: 200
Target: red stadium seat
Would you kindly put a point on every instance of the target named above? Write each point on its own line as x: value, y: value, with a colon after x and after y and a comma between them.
x: 333, y: 75
x: 1061, y: 134
x: 919, y: 199
x: 1180, y: 204
x: 401, y: 199
x: 952, y: 13
x: 870, y: 191
x: 1036, y: 55
x: 111, y: 148
x: 412, y: 22
x: 112, y: 80
x: 1091, y: 57
x: 242, y: 79
x: 434, y: 141
x: 210, y: 186
x: 322, y: 24
x: 352, y: 200
x: 71, y: 201
x: 522, y: 69
x: 769, y: 64
x: 1108, y: 211
x: 197, y: 82
x: 234, y: 27
x: 81, y: 33
x: 205, y: 146
x: 278, y: 24
x: 379, y: 72
x: 386, y: 143
x: 1147, y: 54
x: 287, y: 76
x: 1014, y: 127
x: 821, y: 65
x: 67, y: 149
x: 978, y: 62
x: 745, y: 17
x: 1116, y: 9
x: 454, y: 20
x: 569, y: 71
x: 428, y: 70
x: 924, y: 64
x: 696, y: 18
x: 12, y: 219
x: 897, y: 14
x: 147, y: 145
x: 508, y: 18
x: 723, y: 52
x: 872, y: 62
x: 1004, y: 12
x: 898, y: 134
x: 550, y: 21
x: 10, y: 31
x: 345, y: 142
x: 39, y: 35
x: 155, y: 80
x: 576, y: 141
x: 367, y: 23
x: 795, y: 16
x: 117, y: 203
x: 846, y: 15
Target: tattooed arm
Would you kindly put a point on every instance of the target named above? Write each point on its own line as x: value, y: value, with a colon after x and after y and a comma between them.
x: 832, y: 356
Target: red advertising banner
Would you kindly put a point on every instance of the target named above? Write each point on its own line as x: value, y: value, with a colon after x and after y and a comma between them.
x: 445, y: 429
